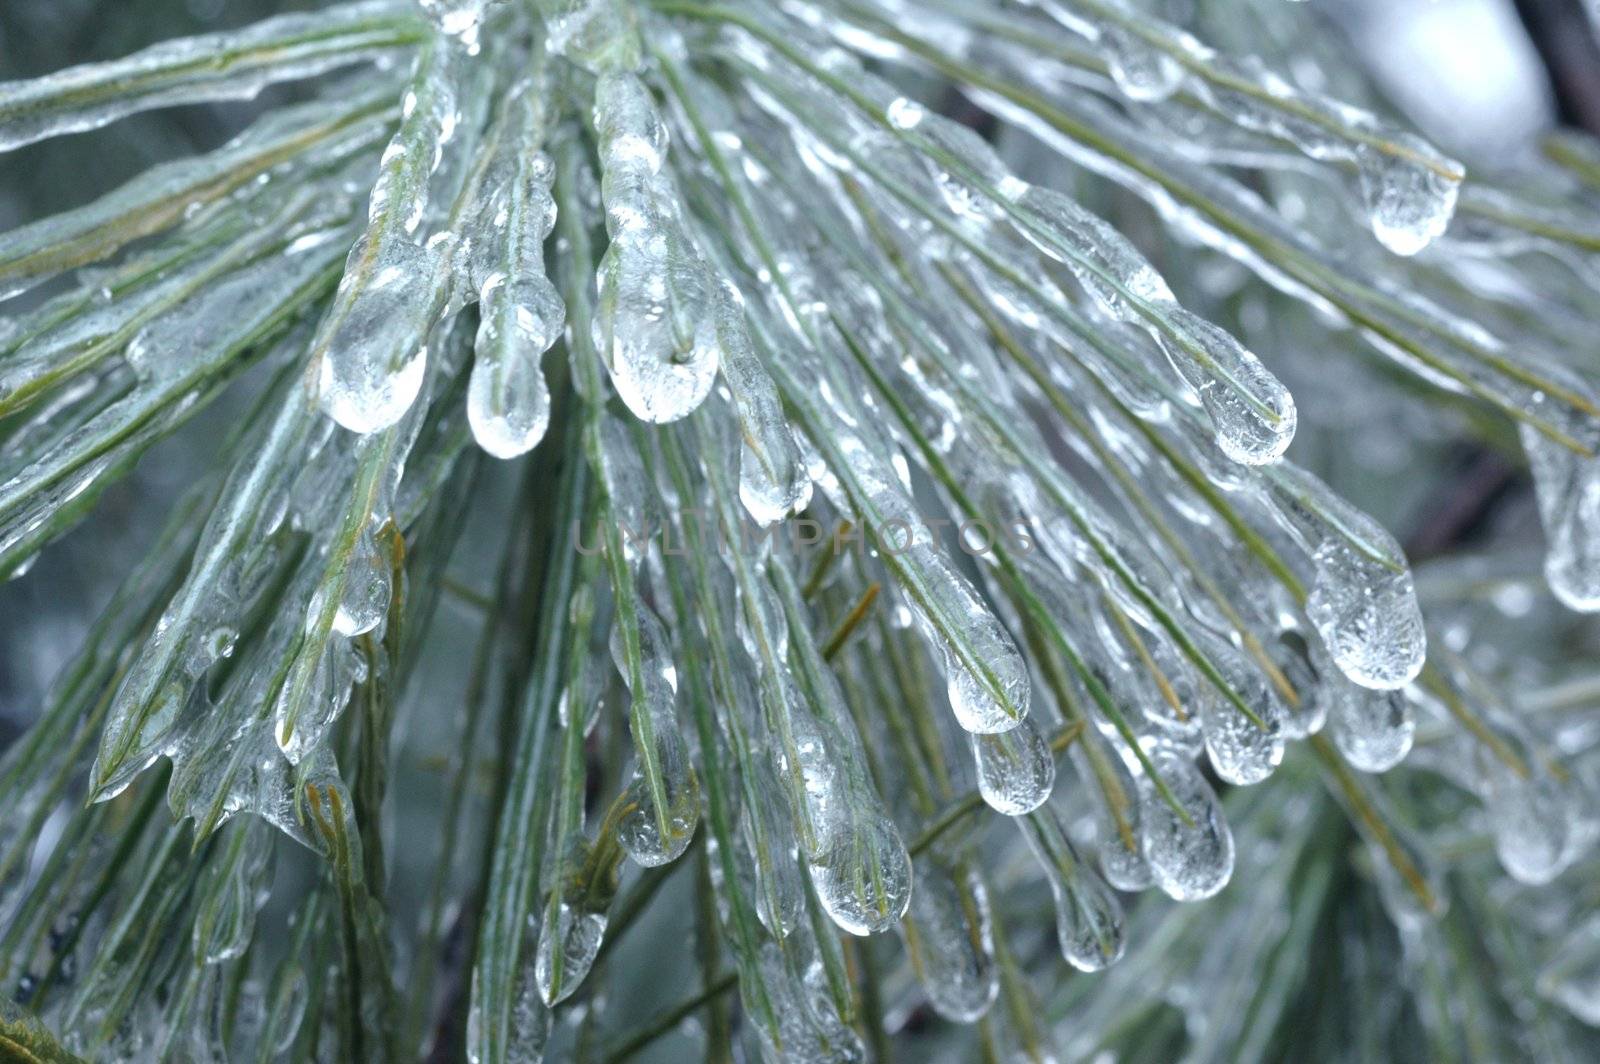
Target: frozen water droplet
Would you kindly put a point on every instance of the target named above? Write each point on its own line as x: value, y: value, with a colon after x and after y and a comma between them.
x: 1190, y: 861
x: 1367, y: 615
x: 1242, y: 751
x: 508, y: 401
x: 905, y: 113
x: 1372, y: 729
x: 1537, y: 822
x: 1252, y: 413
x: 375, y: 355
x: 459, y: 18
x: 364, y: 600
x: 1363, y: 602
x: 863, y: 873
x: 1409, y: 200
x: 1141, y: 71
x: 1572, y: 976
x: 1016, y: 769
x: 1567, y: 486
x: 1089, y: 922
x: 948, y: 936
x: 660, y: 822
x: 566, y: 951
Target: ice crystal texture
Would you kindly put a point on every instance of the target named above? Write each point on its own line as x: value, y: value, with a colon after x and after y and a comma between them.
x: 670, y: 485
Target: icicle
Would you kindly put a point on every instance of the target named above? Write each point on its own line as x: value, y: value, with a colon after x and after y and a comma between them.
x: 1363, y: 602
x: 654, y: 326
x: 1088, y: 914
x: 1252, y: 413
x: 1409, y: 187
x: 862, y: 873
x: 1241, y: 750
x: 1409, y: 199
x: 364, y: 601
x: 773, y: 482
x: 1115, y: 801
x: 186, y: 71
x: 1142, y: 73
x: 570, y: 933
x: 948, y: 936
x: 1190, y: 861
x: 1571, y: 978
x: 236, y: 888
x: 520, y: 313
x: 660, y: 825
x: 1539, y: 823
x: 1567, y: 486
x: 1016, y: 769
x: 461, y: 19
x: 1372, y: 729
x: 372, y: 342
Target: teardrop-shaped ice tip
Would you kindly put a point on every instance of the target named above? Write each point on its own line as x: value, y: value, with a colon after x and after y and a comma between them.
x: 863, y: 874
x: 508, y: 401
x: 375, y: 355
x: 1567, y: 485
x: 1372, y: 729
x: 566, y: 951
x: 1190, y: 855
x: 1016, y: 769
x: 1242, y: 751
x: 1089, y: 924
x: 1141, y: 71
x: 949, y: 937
x: 656, y: 836
x: 1253, y: 416
x: 1410, y: 196
x: 1367, y: 615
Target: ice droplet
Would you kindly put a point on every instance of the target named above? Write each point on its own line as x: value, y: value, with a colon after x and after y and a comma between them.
x: 773, y: 480
x: 1141, y: 71
x: 1242, y: 751
x: 459, y: 18
x: 1252, y: 413
x: 1363, y: 601
x: 508, y: 401
x: 1089, y: 921
x: 1016, y: 769
x: 659, y: 826
x: 1572, y: 976
x: 1372, y: 729
x: 1567, y: 486
x: 976, y: 710
x: 374, y: 358
x: 653, y: 324
x: 1190, y: 861
x: 1409, y: 199
x: 948, y: 936
x: 566, y: 951
x: 1537, y: 823
x: 1367, y: 615
x: 364, y: 599
x: 863, y: 873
